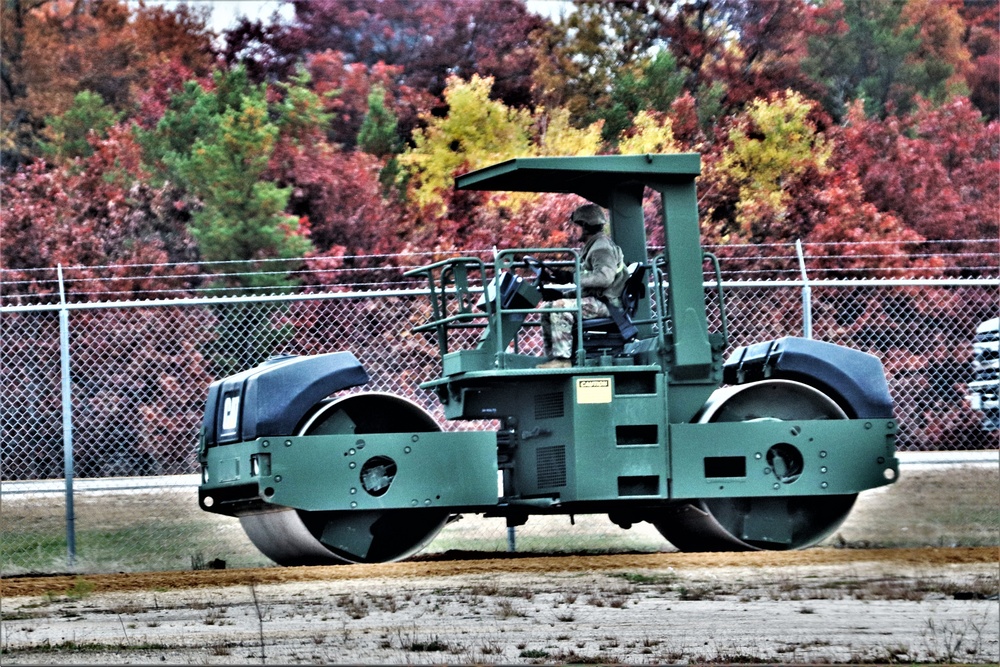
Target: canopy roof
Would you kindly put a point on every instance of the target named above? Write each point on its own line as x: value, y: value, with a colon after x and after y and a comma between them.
x: 589, y: 176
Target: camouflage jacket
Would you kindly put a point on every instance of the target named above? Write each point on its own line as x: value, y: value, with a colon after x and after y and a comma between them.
x: 602, y: 269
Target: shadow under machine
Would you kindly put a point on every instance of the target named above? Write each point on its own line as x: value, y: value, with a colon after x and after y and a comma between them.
x: 766, y: 449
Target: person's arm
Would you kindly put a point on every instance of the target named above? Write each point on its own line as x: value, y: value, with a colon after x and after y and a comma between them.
x: 604, y: 268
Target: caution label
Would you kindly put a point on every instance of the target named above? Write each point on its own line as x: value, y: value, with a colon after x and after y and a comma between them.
x: 593, y: 390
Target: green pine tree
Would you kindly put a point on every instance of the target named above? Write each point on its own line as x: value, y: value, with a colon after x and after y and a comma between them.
x: 377, y: 135
x: 69, y: 132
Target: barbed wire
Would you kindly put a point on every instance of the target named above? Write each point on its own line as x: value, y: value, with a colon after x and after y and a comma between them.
x: 777, y: 261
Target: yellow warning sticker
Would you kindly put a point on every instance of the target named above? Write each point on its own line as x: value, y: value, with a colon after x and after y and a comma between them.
x: 593, y: 390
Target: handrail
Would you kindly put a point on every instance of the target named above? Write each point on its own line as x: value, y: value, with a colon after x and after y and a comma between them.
x: 719, y: 292
x: 456, y: 269
x: 501, y: 263
x: 438, y: 295
x: 444, y: 262
x: 663, y: 306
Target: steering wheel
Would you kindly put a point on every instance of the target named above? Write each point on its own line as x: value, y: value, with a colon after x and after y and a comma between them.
x: 544, y: 274
x: 538, y: 268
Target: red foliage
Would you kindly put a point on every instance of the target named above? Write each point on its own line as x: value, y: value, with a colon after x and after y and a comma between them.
x: 752, y: 48
x: 428, y: 39
x: 773, y: 42
x: 98, y: 218
x: 345, y: 89
x: 165, y: 80
x: 938, y: 169
x: 982, y: 38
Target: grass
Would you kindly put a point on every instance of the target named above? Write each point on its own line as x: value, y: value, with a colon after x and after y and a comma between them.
x: 71, y: 646
x: 947, y: 507
x: 118, y: 532
x: 164, y: 530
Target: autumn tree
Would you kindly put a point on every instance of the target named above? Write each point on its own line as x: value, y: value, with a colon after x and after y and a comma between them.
x: 771, y: 146
x: 340, y: 192
x: 777, y: 179
x: 768, y: 44
x: 478, y: 131
x: 602, y: 62
x: 611, y: 60
x: 55, y: 49
x: 936, y: 169
x: 887, y: 53
x: 218, y: 143
x: 428, y: 39
x: 345, y: 91
x: 982, y: 39
x: 99, y: 217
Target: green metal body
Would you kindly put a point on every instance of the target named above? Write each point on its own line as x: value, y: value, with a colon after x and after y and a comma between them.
x: 323, y: 472
x: 618, y: 431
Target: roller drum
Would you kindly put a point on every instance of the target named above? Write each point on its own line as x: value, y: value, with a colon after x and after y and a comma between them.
x: 298, y: 537
x: 717, y: 524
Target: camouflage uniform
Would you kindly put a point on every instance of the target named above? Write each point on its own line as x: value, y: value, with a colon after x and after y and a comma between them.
x: 602, y: 277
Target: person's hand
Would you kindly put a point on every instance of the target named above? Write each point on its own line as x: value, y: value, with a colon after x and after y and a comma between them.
x: 558, y: 276
x: 552, y: 294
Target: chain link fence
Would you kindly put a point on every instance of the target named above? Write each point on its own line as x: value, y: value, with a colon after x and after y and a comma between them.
x: 139, y: 373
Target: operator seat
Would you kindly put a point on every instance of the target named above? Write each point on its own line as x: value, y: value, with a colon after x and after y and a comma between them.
x: 609, y: 334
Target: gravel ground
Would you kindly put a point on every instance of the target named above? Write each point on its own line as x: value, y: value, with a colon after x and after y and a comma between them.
x: 815, y: 606
x: 824, y: 605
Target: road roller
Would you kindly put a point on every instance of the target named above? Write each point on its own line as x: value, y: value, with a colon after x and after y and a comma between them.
x: 765, y: 446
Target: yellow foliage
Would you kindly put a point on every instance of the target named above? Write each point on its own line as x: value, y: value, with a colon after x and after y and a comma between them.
x: 650, y: 133
x: 558, y: 137
x: 476, y: 132
x: 775, y: 146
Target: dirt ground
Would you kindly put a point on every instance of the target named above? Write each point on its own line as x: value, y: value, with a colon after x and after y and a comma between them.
x: 815, y: 606
x: 820, y: 605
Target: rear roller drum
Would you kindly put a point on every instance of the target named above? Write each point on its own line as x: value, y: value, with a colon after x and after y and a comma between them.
x: 746, y: 524
x: 298, y: 537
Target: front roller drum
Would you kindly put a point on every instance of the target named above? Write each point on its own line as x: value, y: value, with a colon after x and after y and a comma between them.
x: 299, y: 537
x: 749, y: 524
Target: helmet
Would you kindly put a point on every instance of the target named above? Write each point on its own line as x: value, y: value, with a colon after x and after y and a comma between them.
x: 589, y: 216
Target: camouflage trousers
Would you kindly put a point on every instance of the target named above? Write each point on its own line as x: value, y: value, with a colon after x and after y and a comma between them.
x: 558, y: 328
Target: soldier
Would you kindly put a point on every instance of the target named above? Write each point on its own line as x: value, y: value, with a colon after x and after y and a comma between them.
x: 602, y: 277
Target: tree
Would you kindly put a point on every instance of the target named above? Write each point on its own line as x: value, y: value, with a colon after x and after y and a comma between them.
x: 772, y: 38
x: 55, y: 49
x: 69, y: 132
x: 429, y: 39
x: 601, y: 62
x: 611, y: 60
x: 777, y: 179
x: 886, y: 54
x: 218, y: 144
x: 943, y: 58
x: 478, y: 131
x: 345, y: 90
x: 100, y: 218
x: 650, y: 133
x: 982, y: 39
x: 17, y: 122
x: 377, y: 135
x: 935, y: 169
x: 772, y: 146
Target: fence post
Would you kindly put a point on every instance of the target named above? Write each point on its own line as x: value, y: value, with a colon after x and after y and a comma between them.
x: 67, y: 413
x: 807, y: 320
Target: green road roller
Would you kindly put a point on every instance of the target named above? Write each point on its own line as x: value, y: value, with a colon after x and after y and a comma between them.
x: 766, y: 447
